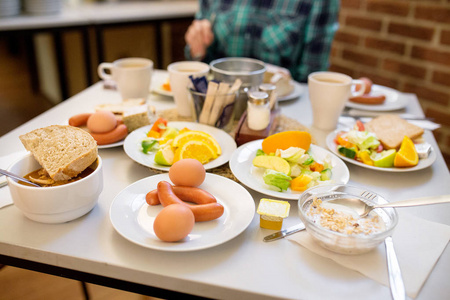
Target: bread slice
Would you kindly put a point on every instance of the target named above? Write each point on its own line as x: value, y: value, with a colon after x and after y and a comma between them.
x: 136, y: 117
x: 121, y: 107
x: 63, y: 151
x: 281, y: 78
x: 391, y: 129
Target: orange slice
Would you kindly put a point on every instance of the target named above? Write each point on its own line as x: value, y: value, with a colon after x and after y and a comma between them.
x: 198, y: 150
x: 407, y: 155
x: 284, y: 140
x: 195, y: 135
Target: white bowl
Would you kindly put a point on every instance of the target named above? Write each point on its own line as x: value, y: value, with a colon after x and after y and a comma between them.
x: 56, y: 204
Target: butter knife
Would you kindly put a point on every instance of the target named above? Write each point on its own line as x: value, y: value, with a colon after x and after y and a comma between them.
x: 395, y: 275
x: 283, y: 233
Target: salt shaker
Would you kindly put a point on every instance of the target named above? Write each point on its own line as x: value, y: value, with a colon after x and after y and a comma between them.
x: 258, y: 110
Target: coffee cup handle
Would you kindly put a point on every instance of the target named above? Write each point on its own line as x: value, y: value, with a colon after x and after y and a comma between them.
x: 101, y: 70
x: 360, y: 92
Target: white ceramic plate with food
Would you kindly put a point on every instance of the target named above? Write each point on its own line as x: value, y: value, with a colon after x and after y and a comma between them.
x: 158, y: 79
x: 133, y: 218
x: 242, y: 167
x: 394, y: 100
x: 423, y: 163
x: 132, y: 145
x: 298, y: 91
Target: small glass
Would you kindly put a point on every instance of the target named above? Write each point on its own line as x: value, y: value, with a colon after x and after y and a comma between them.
x: 220, y: 115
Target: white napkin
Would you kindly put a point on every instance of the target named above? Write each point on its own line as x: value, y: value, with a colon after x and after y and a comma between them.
x: 366, y: 116
x: 418, y: 244
x: 5, y: 162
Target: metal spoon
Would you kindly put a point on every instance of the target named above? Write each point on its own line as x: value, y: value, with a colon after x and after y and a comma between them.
x: 363, y: 208
x: 17, y: 177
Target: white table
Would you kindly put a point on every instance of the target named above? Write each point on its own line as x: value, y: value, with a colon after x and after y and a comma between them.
x: 244, y: 268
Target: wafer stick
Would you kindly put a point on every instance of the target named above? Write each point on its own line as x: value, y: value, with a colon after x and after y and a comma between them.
x: 219, y: 103
x: 235, y: 87
x: 207, y: 106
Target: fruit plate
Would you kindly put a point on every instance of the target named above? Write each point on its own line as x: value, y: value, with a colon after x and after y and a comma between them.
x: 132, y: 145
x: 423, y: 163
x: 394, y: 100
x: 133, y: 218
x: 242, y: 167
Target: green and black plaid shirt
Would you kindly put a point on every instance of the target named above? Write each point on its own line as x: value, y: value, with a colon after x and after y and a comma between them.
x: 295, y: 34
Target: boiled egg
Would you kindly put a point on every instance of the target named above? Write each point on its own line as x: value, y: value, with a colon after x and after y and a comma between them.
x: 187, y: 172
x: 174, y: 223
x: 102, y: 121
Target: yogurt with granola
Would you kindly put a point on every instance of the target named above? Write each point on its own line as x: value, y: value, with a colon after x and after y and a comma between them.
x: 342, y: 219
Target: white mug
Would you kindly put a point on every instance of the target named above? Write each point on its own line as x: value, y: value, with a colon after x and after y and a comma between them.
x: 132, y: 75
x: 328, y: 93
x: 179, y: 73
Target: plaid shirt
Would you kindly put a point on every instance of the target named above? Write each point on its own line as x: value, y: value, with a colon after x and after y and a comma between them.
x: 295, y: 34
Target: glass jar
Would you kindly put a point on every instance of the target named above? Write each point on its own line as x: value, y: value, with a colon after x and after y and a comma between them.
x: 258, y: 110
x: 270, y: 89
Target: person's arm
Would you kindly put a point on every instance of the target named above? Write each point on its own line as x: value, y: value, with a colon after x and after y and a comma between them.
x: 323, y: 23
x: 199, y: 34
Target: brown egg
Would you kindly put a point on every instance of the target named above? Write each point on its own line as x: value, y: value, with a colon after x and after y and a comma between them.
x: 174, y: 223
x: 187, y: 172
x: 102, y: 121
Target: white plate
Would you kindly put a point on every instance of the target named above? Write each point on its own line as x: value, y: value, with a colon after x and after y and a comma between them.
x: 423, y: 163
x: 112, y: 145
x: 242, y: 167
x: 393, y: 101
x: 133, y: 141
x: 133, y: 218
x: 158, y: 79
x: 298, y: 91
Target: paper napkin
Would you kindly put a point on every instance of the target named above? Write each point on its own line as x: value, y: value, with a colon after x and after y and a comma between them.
x: 418, y: 244
x: 349, y: 121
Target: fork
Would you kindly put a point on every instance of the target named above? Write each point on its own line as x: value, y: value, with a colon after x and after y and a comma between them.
x: 404, y: 203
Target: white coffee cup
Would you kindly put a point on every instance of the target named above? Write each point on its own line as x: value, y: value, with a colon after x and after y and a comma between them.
x: 132, y: 75
x: 328, y: 93
x: 179, y: 73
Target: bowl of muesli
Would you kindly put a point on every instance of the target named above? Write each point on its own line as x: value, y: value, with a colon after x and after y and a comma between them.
x: 337, y: 226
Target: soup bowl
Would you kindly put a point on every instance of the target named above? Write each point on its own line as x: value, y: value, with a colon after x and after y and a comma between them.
x: 55, y: 204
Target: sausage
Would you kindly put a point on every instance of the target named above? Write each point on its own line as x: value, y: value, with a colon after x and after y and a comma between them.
x: 185, y: 193
x: 112, y: 136
x: 207, y: 212
x: 369, y: 99
x: 79, y: 120
x: 202, y: 212
x: 368, y: 84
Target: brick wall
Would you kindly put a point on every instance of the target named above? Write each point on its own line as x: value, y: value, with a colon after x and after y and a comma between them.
x: 402, y: 44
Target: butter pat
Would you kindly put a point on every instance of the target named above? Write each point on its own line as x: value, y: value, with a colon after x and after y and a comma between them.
x: 423, y: 150
x: 272, y: 213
